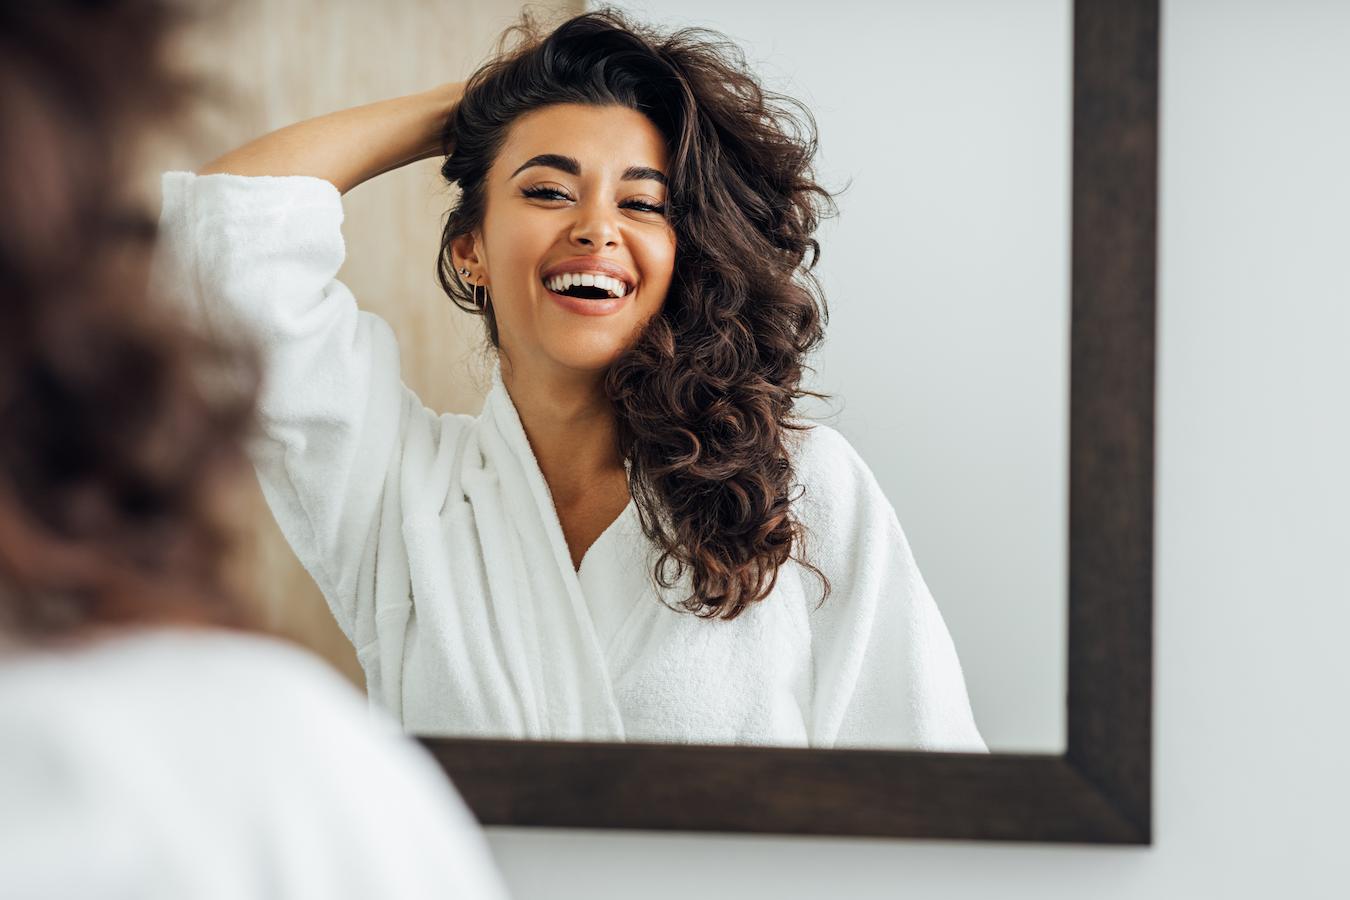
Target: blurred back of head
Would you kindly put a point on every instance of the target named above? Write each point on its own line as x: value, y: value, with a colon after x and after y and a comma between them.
x: 120, y: 429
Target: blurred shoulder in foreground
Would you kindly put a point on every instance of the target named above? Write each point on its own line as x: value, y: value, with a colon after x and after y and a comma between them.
x: 181, y: 762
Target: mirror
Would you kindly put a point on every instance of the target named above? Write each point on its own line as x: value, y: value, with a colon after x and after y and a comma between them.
x: 945, y: 354
x: 949, y: 353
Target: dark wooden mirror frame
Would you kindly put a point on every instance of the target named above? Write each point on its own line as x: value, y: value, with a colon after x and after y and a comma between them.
x: 1100, y: 789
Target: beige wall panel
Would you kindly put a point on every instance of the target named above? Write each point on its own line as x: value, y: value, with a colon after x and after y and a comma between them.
x: 280, y: 61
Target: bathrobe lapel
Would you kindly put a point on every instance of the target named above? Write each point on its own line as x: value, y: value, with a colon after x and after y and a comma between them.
x: 572, y: 689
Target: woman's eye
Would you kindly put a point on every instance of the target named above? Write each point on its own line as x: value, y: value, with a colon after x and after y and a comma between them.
x: 545, y: 193
x: 647, y: 207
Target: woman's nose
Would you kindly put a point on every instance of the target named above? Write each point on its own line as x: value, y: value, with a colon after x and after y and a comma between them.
x: 595, y: 226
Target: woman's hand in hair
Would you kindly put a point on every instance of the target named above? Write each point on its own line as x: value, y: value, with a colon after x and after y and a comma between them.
x: 352, y: 145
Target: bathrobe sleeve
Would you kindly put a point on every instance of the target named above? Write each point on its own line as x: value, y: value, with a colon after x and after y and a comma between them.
x: 260, y: 255
x: 885, y: 670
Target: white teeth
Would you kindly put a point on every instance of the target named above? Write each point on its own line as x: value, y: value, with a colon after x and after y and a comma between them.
x: 560, y: 283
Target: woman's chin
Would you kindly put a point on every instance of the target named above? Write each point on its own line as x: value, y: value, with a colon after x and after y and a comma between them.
x: 589, y: 349
x: 587, y: 356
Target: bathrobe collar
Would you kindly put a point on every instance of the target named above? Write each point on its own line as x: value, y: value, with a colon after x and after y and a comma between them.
x: 552, y: 598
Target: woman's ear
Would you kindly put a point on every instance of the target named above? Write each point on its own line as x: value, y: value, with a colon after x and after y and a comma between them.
x: 464, y: 252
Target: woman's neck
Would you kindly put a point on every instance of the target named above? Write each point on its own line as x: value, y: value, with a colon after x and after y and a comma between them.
x: 571, y: 429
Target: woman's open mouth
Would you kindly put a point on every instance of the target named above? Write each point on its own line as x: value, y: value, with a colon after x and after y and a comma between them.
x: 588, y: 295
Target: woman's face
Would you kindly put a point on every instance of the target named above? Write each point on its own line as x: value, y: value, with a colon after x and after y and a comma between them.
x: 575, y: 189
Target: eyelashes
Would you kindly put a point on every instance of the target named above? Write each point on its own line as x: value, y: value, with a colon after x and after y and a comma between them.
x: 548, y: 193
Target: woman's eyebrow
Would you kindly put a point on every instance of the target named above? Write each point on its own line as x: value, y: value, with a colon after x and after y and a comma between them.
x: 569, y: 165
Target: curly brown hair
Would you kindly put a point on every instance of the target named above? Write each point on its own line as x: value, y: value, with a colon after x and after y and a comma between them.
x: 119, y: 426
x: 705, y: 396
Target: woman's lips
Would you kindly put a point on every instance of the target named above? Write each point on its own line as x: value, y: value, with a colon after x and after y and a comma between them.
x: 590, y: 307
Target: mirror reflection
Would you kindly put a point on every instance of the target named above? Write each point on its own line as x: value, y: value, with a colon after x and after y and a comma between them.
x: 640, y: 415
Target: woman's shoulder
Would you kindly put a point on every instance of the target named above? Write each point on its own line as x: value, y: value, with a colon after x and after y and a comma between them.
x: 183, y: 696
x: 218, y: 191
x: 177, y: 679
x: 814, y: 443
x: 278, y: 745
x: 832, y: 474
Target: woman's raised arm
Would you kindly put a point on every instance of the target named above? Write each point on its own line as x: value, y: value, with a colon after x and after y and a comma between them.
x: 349, y: 146
x: 260, y: 256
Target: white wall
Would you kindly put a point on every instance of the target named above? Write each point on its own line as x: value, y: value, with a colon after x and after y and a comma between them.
x: 947, y: 279
x: 1253, y: 583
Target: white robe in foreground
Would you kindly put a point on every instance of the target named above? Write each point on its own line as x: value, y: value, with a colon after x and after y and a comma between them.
x: 435, y: 540
x: 176, y: 763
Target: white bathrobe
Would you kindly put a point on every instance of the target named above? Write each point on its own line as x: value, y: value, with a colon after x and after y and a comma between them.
x: 435, y: 539
x: 166, y: 763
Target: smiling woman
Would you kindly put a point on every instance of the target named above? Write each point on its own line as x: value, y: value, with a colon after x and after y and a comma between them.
x: 591, y: 209
x: 700, y: 396
x: 633, y: 224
